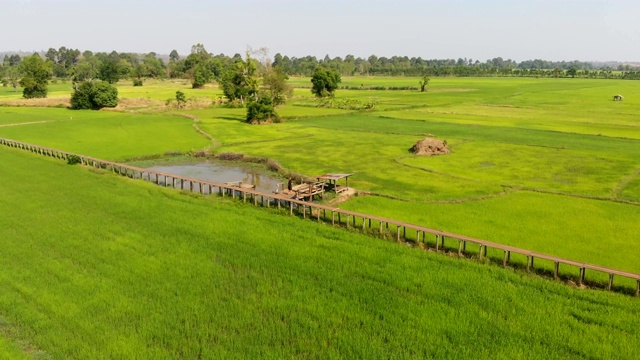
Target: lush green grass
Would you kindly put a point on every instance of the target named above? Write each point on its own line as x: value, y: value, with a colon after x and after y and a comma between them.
x: 563, y: 137
x: 166, y: 89
x: 555, y: 136
x: 96, y: 266
x: 527, y: 220
x: 104, y: 134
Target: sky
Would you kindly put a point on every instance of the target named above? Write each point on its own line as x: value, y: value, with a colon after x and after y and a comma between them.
x: 585, y: 30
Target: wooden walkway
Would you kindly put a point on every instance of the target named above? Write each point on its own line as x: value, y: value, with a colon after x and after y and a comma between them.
x: 440, y: 240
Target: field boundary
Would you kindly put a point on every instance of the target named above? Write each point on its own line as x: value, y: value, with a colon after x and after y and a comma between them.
x: 349, y: 219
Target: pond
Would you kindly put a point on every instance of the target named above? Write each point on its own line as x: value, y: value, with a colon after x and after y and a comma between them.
x: 221, y: 173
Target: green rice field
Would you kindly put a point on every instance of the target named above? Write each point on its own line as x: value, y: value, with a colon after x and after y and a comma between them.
x: 97, y: 266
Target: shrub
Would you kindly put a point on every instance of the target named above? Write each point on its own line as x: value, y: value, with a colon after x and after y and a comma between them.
x: 105, y: 95
x: 137, y: 82
x: 94, y: 95
x: 73, y: 159
x: 32, y: 89
x: 262, y: 110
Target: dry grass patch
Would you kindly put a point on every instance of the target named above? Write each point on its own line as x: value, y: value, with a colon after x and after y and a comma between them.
x: 46, y: 102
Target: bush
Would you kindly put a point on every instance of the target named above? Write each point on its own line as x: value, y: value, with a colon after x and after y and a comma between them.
x: 324, y: 82
x: 73, y: 159
x: 137, y: 82
x: 94, y: 95
x: 33, y: 89
x: 261, y: 110
x: 105, y: 95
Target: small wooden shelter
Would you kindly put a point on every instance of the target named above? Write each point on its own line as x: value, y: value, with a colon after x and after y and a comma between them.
x: 332, y: 181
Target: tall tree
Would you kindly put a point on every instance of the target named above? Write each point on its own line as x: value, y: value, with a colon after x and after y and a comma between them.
x: 12, y: 60
x: 109, y: 69
x: 12, y: 75
x: 240, y: 80
x: 86, y: 69
x: 35, y: 76
x: 197, y: 66
x: 275, y: 86
x: 174, y: 56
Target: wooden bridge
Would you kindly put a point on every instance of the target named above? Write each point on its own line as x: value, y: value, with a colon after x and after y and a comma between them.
x: 437, y: 239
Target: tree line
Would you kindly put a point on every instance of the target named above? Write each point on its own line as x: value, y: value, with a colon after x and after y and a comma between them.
x: 202, y: 67
x: 255, y: 80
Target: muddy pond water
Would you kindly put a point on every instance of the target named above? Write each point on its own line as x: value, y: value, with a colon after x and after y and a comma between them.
x: 220, y: 172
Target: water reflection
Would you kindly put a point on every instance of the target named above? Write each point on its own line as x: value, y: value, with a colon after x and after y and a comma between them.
x: 221, y: 173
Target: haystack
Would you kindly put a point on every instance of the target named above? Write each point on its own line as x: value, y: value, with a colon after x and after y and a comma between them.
x: 429, y: 146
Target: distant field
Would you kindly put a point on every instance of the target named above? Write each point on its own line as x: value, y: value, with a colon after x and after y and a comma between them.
x: 108, y: 135
x: 97, y: 266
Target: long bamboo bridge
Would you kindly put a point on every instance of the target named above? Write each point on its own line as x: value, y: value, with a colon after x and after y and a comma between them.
x: 437, y: 239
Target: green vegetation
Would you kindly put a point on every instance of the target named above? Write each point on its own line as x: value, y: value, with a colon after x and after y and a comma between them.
x: 106, y: 135
x: 35, y: 77
x: 324, y: 82
x: 549, y: 165
x: 147, y: 272
x: 94, y: 95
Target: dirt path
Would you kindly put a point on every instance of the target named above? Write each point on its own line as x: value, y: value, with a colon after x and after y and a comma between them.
x: 26, y: 123
x: 623, y: 183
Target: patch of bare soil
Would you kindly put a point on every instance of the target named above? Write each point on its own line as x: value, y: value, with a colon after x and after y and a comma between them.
x: 128, y: 103
x: 46, y: 102
x: 429, y: 147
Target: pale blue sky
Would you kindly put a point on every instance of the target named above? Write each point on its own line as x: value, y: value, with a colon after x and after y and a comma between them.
x: 588, y: 30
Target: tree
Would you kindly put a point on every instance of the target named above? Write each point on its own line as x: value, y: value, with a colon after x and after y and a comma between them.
x: 180, y: 99
x: 109, y: 69
x: 261, y: 110
x: 423, y: 83
x: 197, y: 66
x: 240, y: 80
x: 85, y: 70
x: 52, y: 55
x: 12, y: 60
x: 35, y: 77
x: 174, y: 56
x: 572, y: 72
x: 201, y: 75
x: 94, y: 95
x: 275, y: 86
x: 12, y: 76
x: 324, y: 82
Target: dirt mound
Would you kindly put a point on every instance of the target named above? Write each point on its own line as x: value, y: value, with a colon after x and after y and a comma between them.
x: 430, y: 147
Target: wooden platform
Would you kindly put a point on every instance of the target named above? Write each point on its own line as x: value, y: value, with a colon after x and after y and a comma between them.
x: 308, y: 190
x: 331, y: 182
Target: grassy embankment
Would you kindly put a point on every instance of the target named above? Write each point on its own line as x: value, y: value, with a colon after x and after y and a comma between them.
x: 98, y: 266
